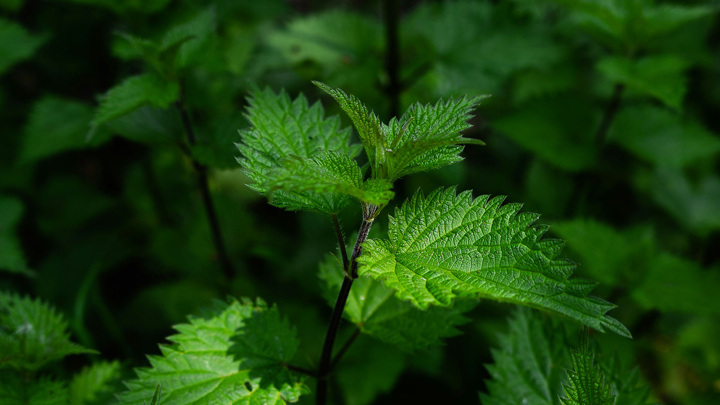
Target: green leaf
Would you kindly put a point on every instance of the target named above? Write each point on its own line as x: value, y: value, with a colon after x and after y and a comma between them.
x: 663, y: 138
x: 32, y: 334
x: 189, y: 41
x: 329, y: 172
x: 429, y: 137
x: 234, y: 354
x: 16, y: 390
x: 558, y: 130
x: 367, y: 124
x: 17, y: 44
x: 528, y: 364
x: 679, y: 285
x: 425, y: 138
x: 94, y: 384
x: 587, y: 383
x: 658, y: 76
x: 133, y: 93
x: 607, y: 254
x: 12, y: 258
x: 445, y: 246
x: 57, y: 125
x: 283, y: 129
x: 374, y: 309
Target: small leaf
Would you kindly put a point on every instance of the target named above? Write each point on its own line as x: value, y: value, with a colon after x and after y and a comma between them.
x: 445, y: 246
x: 234, y: 353
x: 527, y: 366
x: 587, y: 383
x: 189, y: 40
x: 32, y: 334
x: 133, y: 93
x: 12, y: 258
x: 329, y: 172
x: 17, y: 44
x: 658, y: 76
x: 57, y: 125
x: 283, y: 130
x: 94, y: 384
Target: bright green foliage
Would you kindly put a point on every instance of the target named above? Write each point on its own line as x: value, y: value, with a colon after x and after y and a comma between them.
x: 445, y: 245
x: 425, y: 138
x: 587, y: 385
x: 663, y: 138
x: 679, y: 285
x: 133, y: 93
x: 57, y: 125
x: 14, y: 390
x: 12, y: 258
x: 528, y: 363
x: 329, y: 172
x: 374, y: 309
x: 284, y: 130
x: 661, y: 77
x: 234, y: 354
x: 94, y: 384
x: 32, y: 334
x: 16, y: 44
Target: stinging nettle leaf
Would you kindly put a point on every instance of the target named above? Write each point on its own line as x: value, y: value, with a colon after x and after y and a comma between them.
x: 32, y: 334
x: 586, y: 379
x: 233, y: 354
x: 16, y: 44
x: 445, y: 246
x: 286, y: 132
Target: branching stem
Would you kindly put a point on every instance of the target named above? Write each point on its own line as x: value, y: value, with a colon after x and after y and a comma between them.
x: 341, y: 242
x: 344, y: 349
x: 326, y: 363
x: 202, y: 179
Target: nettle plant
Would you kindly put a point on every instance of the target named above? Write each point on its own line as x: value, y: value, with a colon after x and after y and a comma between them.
x: 405, y: 288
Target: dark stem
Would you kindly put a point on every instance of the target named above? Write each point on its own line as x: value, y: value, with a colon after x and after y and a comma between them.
x: 326, y: 358
x: 610, y: 111
x: 202, y: 179
x: 344, y: 349
x: 341, y: 242
x: 156, y: 196
x: 392, y: 55
x: 300, y: 370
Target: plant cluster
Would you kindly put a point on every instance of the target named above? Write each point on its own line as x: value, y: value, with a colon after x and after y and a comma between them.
x: 393, y: 262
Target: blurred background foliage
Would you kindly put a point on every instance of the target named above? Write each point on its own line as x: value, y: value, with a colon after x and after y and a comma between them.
x: 603, y: 118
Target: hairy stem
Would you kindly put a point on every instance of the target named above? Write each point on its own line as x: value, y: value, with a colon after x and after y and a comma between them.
x: 392, y: 55
x: 609, y: 115
x: 202, y: 179
x: 326, y: 363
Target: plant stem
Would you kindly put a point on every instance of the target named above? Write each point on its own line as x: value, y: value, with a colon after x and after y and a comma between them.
x: 392, y: 55
x: 326, y: 363
x: 610, y: 111
x: 202, y: 179
x: 300, y: 370
x: 344, y: 349
x: 341, y: 242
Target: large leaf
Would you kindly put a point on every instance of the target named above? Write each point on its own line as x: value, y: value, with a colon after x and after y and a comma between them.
x: 283, y: 129
x: 661, y: 77
x: 16, y: 44
x: 133, y: 93
x: 57, y: 125
x: 662, y: 137
x: 374, y: 309
x: 32, y: 334
x: 233, y: 354
x: 445, y: 246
